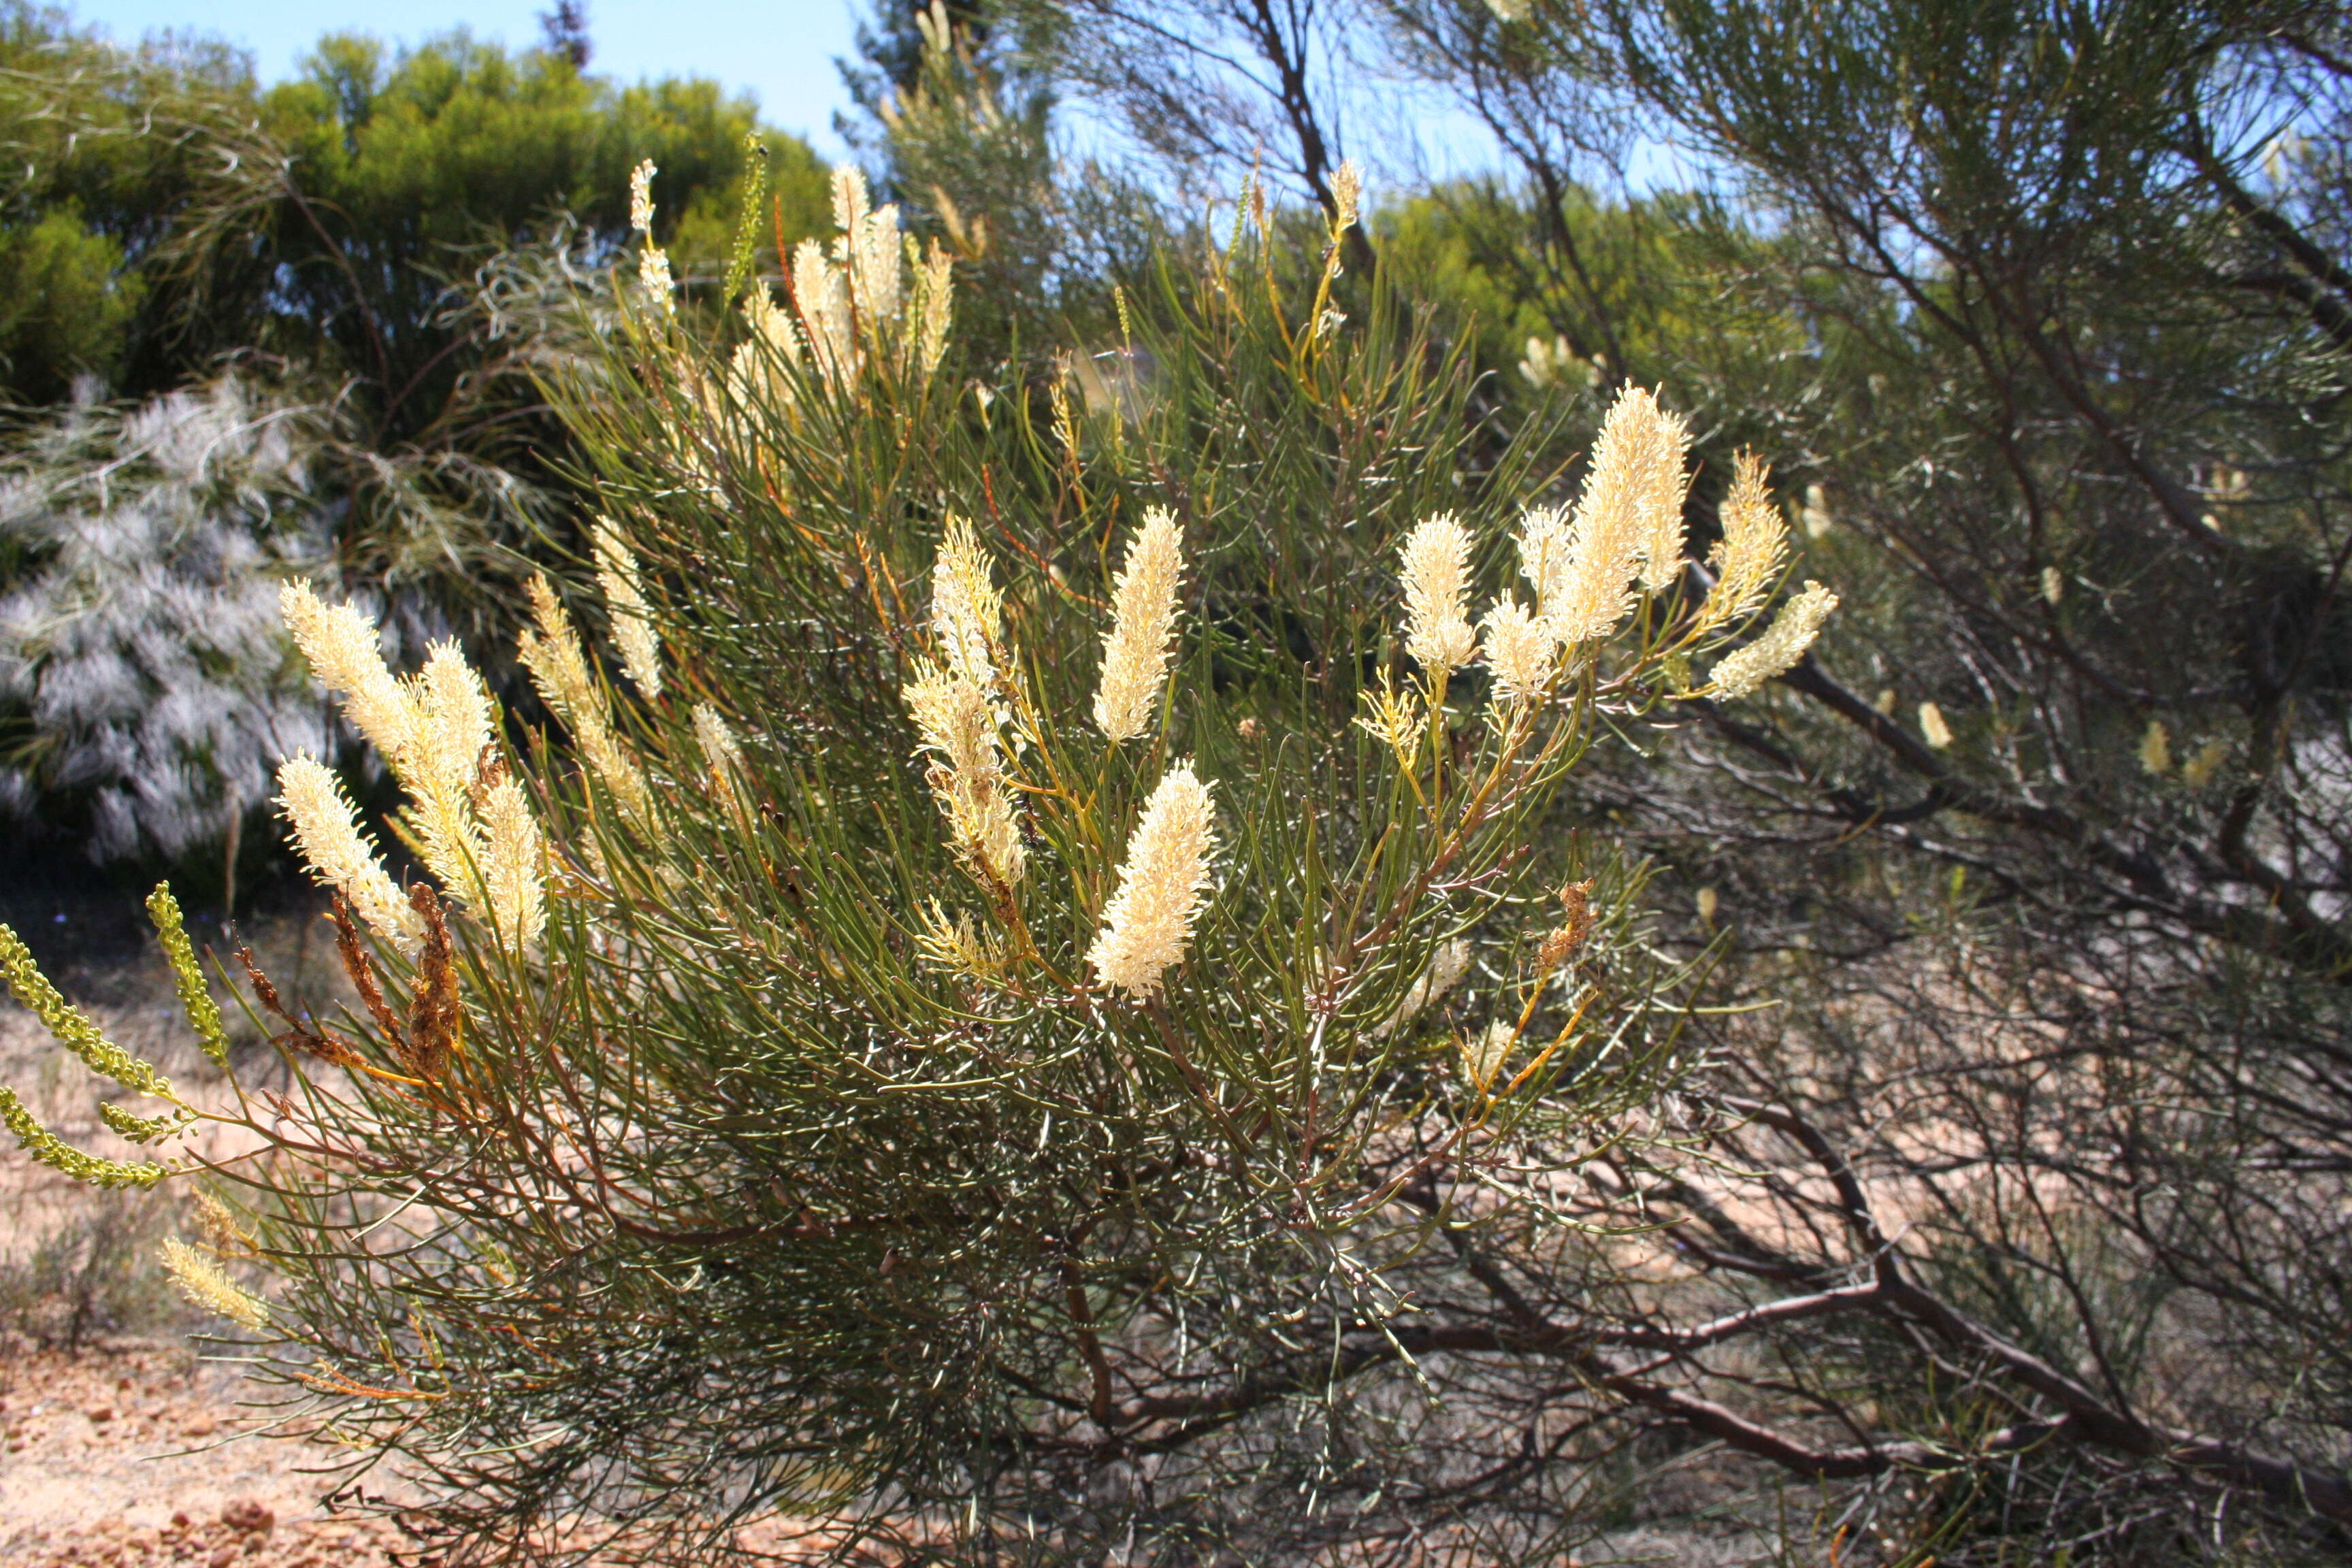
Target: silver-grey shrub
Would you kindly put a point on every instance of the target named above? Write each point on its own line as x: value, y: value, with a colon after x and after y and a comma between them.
x: 149, y: 687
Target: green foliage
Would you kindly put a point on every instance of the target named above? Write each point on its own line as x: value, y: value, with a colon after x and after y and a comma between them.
x: 431, y: 149
x: 1639, y: 299
x: 69, y: 303
x: 185, y: 211
x: 105, y: 156
x: 399, y: 167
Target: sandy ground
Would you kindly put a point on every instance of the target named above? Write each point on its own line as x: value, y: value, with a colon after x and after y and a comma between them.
x: 131, y: 1449
x: 135, y: 1453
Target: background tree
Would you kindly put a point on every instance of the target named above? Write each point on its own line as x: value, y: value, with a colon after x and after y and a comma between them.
x: 2050, y: 829
x: 106, y: 153
x: 1212, y: 88
x: 1548, y: 85
x: 2037, y: 305
x: 963, y: 134
x: 369, y: 246
x: 565, y: 32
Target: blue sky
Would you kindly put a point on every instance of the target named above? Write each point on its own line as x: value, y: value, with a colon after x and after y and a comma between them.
x: 781, y: 50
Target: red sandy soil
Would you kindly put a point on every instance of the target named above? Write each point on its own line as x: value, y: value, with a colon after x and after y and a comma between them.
x: 138, y: 1455
x: 131, y: 1452
x: 132, y: 1455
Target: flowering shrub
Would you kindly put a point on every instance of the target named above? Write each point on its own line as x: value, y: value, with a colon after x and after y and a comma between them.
x: 1061, y: 957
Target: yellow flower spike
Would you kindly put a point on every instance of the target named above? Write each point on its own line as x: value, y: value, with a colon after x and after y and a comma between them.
x: 143, y: 1129
x: 1754, y: 545
x: 514, y: 862
x: 1932, y: 726
x: 202, y: 1281
x: 958, y: 946
x: 454, y: 729
x: 1395, y: 719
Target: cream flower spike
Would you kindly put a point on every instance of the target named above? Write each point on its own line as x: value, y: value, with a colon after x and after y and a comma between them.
x: 1149, y: 923
x: 326, y: 830
x: 722, y: 756
x: 654, y: 278
x: 821, y: 289
x: 341, y: 644
x: 623, y: 581
x: 1143, y: 622
x: 514, y: 863
x: 202, y: 1281
x: 935, y: 289
x: 1663, y: 487
x: 1779, y: 650
x: 967, y: 610
x: 850, y: 204
x: 1520, y: 650
x: 1435, y: 559
x: 877, y: 278
x: 641, y: 197
x: 1932, y: 726
x: 1628, y: 522
x: 1543, y: 541
x: 956, y: 721
x: 452, y: 729
x: 558, y: 668
x: 653, y: 262
x: 1346, y: 196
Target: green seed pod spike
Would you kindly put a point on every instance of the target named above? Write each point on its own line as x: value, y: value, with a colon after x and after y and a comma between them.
x: 71, y: 1027
x: 143, y: 1129
x: 747, y: 227
x: 196, y: 996
x: 59, y: 1155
